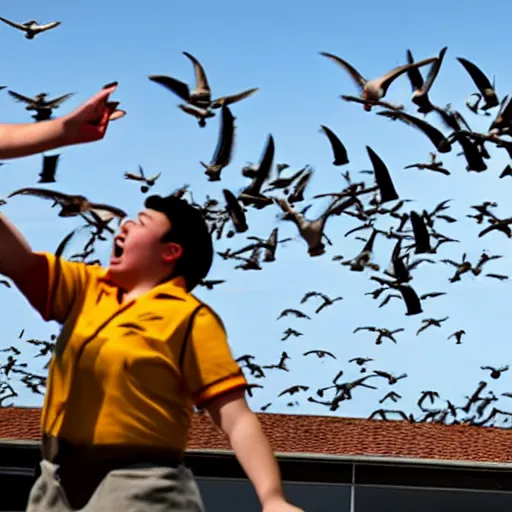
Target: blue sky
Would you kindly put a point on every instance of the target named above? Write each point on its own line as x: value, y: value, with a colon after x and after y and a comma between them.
x: 276, y: 48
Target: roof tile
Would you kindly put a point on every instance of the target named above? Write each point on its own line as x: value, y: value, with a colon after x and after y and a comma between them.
x: 328, y: 435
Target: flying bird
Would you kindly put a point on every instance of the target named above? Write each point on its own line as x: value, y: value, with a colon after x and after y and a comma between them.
x: 338, y: 149
x: 373, y: 90
x: 147, y: 182
x: 326, y: 300
x: 31, y: 28
x: 441, y: 143
x: 293, y: 389
x: 235, y: 211
x: 311, y: 231
x: 320, y: 353
x: 251, y: 194
x: 427, y: 322
x: 421, y: 88
x: 433, y: 165
x: 458, y: 336
x: 482, y: 82
x: 47, y: 174
x: 294, y: 312
x: 40, y: 104
x: 382, y: 177
x: 495, y: 372
x: 71, y: 205
x: 200, y: 96
x: 223, y: 152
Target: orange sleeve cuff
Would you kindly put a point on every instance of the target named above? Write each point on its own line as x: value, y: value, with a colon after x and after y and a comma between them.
x: 219, y: 388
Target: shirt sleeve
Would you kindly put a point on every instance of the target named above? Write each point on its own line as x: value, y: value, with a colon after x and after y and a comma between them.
x: 53, y: 285
x: 208, y: 367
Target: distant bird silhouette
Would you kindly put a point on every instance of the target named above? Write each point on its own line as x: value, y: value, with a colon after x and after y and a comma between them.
x: 326, y: 300
x: 495, y: 372
x: 31, y: 28
x: 320, y: 353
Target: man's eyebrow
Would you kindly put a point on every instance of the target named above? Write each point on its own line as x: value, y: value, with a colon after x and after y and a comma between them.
x: 144, y: 215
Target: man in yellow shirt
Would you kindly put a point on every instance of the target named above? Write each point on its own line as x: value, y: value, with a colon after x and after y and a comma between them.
x: 136, y: 353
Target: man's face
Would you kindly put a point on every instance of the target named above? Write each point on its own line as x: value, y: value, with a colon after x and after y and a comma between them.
x: 138, y: 252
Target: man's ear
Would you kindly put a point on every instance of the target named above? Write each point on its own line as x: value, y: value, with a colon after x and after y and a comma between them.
x: 172, y: 252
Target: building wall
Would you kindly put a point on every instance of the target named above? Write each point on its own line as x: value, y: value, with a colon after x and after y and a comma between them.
x: 235, y: 495
x: 316, y: 485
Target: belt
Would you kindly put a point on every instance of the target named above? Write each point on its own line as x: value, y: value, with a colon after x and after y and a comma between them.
x: 65, y: 453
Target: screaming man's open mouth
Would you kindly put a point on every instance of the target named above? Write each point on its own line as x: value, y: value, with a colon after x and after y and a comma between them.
x: 118, y: 249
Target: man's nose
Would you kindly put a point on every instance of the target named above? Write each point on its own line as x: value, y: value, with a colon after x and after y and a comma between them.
x: 125, y: 226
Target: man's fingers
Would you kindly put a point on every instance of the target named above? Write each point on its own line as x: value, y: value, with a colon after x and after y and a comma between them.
x: 101, y: 96
x: 111, y: 85
x: 117, y: 114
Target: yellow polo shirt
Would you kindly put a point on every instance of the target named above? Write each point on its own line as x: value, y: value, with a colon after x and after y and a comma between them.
x: 128, y: 373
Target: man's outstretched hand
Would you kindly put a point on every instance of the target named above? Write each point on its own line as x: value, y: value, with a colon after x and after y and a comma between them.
x: 89, y: 121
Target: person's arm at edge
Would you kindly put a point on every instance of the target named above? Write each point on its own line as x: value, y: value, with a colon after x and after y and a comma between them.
x: 87, y: 123
x: 16, y: 255
x: 27, y: 269
x: 19, y: 140
x: 231, y: 413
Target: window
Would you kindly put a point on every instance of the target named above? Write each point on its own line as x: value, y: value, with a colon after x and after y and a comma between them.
x: 370, y: 498
x: 233, y: 495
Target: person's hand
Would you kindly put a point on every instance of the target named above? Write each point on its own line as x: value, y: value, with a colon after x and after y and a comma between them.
x: 280, y: 505
x: 89, y: 121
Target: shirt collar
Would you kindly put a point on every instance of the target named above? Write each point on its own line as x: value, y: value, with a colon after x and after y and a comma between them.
x: 175, y: 287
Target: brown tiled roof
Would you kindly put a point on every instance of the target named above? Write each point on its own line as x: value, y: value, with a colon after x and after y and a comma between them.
x: 328, y: 435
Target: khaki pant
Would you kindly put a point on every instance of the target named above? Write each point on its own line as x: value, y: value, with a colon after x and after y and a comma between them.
x: 137, y: 488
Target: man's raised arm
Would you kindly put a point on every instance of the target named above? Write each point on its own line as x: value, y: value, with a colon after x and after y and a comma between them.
x: 87, y: 123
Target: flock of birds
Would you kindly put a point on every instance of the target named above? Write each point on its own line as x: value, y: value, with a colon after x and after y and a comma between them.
x: 273, y: 185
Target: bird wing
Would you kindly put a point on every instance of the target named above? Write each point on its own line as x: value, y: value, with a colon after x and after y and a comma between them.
x: 235, y: 211
x: 195, y: 111
x: 179, y: 88
x: 339, y: 150
x: 302, y: 183
x: 481, y: 81
x: 19, y: 97
x: 308, y: 295
x: 421, y: 235
x: 498, y: 276
x: 432, y: 295
x: 411, y: 300
x: 438, y: 139
x: 41, y: 192
x: 385, y: 80
x: 289, y: 390
x: 106, y: 210
x: 356, y: 76
x: 60, y: 99
x: 48, y: 26
x: 131, y: 176
x: 263, y: 172
x: 434, y: 70
x: 488, y: 229
x: 414, y: 74
x: 63, y: 244
x: 47, y: 174
x: 382, y: 177
x: 223, y: 151
x: 19, y: 26
x: 200, y: 74
x: 233, y: 98
x: 371, y: 329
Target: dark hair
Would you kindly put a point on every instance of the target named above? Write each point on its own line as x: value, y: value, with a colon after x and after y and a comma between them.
x: 190, y: 231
